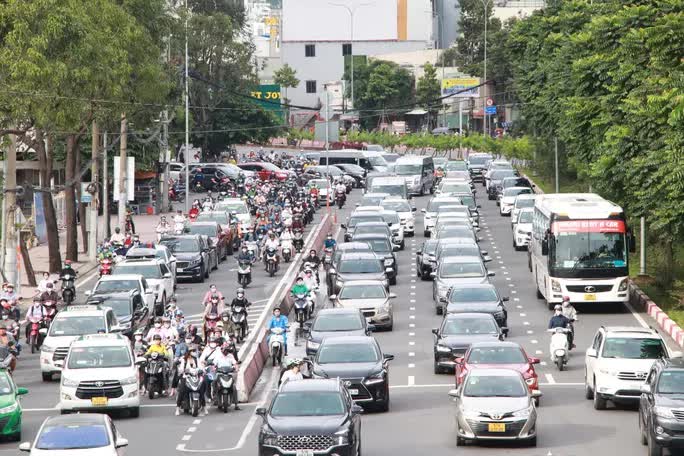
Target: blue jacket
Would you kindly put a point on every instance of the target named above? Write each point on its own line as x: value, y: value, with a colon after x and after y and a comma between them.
x: 559, y: 321
x: 280, y: 322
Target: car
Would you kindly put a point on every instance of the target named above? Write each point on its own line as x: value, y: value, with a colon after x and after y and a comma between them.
x: 234, y: 206
x: 459, y: 247
x: 10, y: 407
x: 160, y: 252
x: 457, y: 232
x: 326, y: 194
x: 468, y: 199
x: 482, y: 298
x: 495, y: 404
x: 522, y: 201
x: 369, y: 296
x: 393, y: 185
x: 356, y: 172
x: 100, y: 373
x: 379, y: 228
x: 227, y: 231
x: 125, y: 282
x: 357, y: 266
x: 318, y: 171
x: 128, y: 309
x: 192, y: 254
x: 508, y: 197
x: 522, y: 228
x: 373, y: 199
x: 496, y: 177
x: 359, y: 362
x: 661, y: 407
x: 335, y: 322
x: 456, y: 165
x: 213, y: 173
x: 393, y: 220
x: 426, y: 260
x: 68, y: 325
x: 215, y: 233
x: 91, y: 434
x: 316, y: 416
x: 405, y: 211
x: 156, y: 275
x: 506, y: 182
x: 344, y: 247
x: 457, y: 332
x: 618, y: 363
x: 494, y: 355
x: 266, y: 171
x: 477, y: 164
x: 451, y: 187
x: 384, y: 248
x: 457, y: 271
x: 432, y: 209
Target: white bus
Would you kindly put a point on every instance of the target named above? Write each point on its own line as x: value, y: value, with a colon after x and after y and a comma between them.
x: 579, y: 248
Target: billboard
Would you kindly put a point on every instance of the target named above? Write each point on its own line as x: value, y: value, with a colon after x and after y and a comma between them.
x: 462, y: 87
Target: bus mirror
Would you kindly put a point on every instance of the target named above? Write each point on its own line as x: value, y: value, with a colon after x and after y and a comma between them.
x: 545, y: 246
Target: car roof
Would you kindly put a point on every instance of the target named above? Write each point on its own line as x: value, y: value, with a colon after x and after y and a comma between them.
x: 72, y: 420
x: 377, y: 195
x: 317, y: 384
x: 210, y: 213
x: 349, y: 340
x: 86, y: 309
x: 119, y: 277
x: 102, y: 298
x: 518, y: 188
x: 469, y: 316
x: 359, y: 256
x: 95, y: 340
x: 142, y: 251
x: 353, y: 245
x: 494, y: 373
x: 463, y: 259
x: 496, y: 344
x: 139, y: 261
x: 337, y: 310
x: 630, y: 331
x: 372, y: 223
x: 363, y: 282
x: 474, y: 285
x: 369, y: 236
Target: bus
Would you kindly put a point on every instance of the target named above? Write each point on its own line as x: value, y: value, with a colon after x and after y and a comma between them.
x: 579, y: 248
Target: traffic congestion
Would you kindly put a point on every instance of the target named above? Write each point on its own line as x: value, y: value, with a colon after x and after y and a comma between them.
x: 451, y: 301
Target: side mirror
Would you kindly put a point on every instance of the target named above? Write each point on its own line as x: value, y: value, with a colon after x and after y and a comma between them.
x: 387, y: 357
x: 344, y: 226
x: 487, y: 259
x: 442, y: 299
x: 454, y: 392
x: 392, y: 295
x: 533, y: 360
x: 307, y: 326
x: 261, y: 411
x: 121, y: 442
x: 435, y: 331
x: 116, y: 328
x: 545, y: 246
x: 371, y: 327
x: 491, y: 274
x: 504, y: 330
x: 140, y: 360
x: 395, y: 248
x: 433, y: 274
x: 332, y: 297
x: 413, y: 209
x: 645, y: 388
x: 25, y: 446
x: 505, y: 298
x: 479, y: 206
x: 168, y: 275
x: 356, y: 409
x: 459, y: 360
x: 423, y: 211
x: 536, y: 394
x: 88, y: 293
x: 21, y: 391
x: 591, y: 352
x: 484, y: 252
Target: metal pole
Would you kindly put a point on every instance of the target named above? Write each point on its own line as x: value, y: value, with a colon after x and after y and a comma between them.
x: 9, y: 217
x: 555, y: 153
x: 351, y: 56
x: 187, y: 117
x: 486, y: 19
x: 165, y: 161
x: 105, y: 188
x: 123, y: 167
x: 327, y: 145
x: 642, y: 247
x: 460, y: 129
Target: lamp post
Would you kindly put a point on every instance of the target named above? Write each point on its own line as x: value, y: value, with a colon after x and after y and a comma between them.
x: 187, y: 117
x: 351, y: 12
x: 485, y: 4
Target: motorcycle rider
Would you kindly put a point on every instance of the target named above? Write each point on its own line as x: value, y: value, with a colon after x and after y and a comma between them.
x: 330, y: 242
x: 212, y: 291
x: 340, y: 187
x: 214, y: 306
x: 220, y: 359
x: 163, y: 228
x: 155, y: 330
x: 279, y: 321
x: 117, y: 238
x: 207, y: 204
x: 558, y: 320
x: 35, y: 313
x: 570, y: 313
x: 245, y: 256
x: 293, y: 372
x: 179, y: 220
x: 271, y: 242
x: 190, y: 361
x: 158, y: 347
x: 170, y: 332
x: 8, y: 349
x: 241, y: 301
x: 50, y: 294
x: 315, y: 262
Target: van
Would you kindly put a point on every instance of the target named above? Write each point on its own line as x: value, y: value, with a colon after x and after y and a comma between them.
x: 393, y: 186
x: 418, y: 171
x: 368, y: 160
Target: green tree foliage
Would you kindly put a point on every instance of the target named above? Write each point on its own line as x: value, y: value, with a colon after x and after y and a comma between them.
x: 428, y: 89
x: 286, y: 76
x: 470, y: 45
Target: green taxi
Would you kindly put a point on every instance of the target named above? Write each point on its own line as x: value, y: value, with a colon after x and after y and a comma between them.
x: 10, y: 407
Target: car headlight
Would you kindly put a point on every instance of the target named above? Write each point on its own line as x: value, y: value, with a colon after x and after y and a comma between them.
x: 195, y: 262
x: 69, y: 382
x: 377, y: 377
x: 662, y: 412
x: 9, y: 408
x: 623, y: 285
x: 524, y: 413
x: 389, y: 262
x: 129, y: 380
x: 555, y: 286
x: 310, y: 344
x: 611, y: 372
x: 443, y: 348
x: 521, y: 233
x: 270, y: 438
x: 342, y: 437
x: 48, y: 349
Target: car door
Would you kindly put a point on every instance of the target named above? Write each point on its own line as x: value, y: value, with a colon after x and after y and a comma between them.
x: 590, y: 362
x: 646, y: 399
x: 204, y: 252
x: 147, y: 293
x: 168, y: 279
x: 140, y: 314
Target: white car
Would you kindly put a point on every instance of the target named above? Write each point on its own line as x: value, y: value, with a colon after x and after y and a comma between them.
x: 522, y: 201
x: 522, y: 228
x: 433, y: 207
x: 70, y: 324
x: 618, y: 362
x: 392, y: 218
x: 100, y: 373
x: 159, y: 251
x: 155, y: 272
x: 238, y: 206
x: 405, y: 211
x: 508, y: 198
x: 125, y: 282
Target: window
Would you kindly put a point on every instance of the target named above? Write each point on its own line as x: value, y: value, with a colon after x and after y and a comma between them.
x: 310, y: 50
x: 347, y: 49
x: 310, y: 86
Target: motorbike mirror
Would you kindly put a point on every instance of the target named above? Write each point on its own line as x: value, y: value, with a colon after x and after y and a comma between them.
x: 140, y: 360
x: 121, y: 442
x: 433, y: 274
x: 344, y: 226
x: 356, y: 409
x: 454, y: 392
x: 307, y: 326
x: 260, y: 411
x: 533, y: 360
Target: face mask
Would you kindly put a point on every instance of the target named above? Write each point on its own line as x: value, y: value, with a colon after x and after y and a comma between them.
x: 240, y: 296
x: 138, y: 337
x: 212, y: 345
x: 188, y: 341
x: 157, y: 342
x: 558, y: 312
x: 157, y: 325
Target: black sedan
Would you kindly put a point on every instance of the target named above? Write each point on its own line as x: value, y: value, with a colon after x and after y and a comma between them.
x: 361, y: 365
x: 457, y: 333
x: 482, y: 298
x: 335, y: 323
x: 128, y: 307
x: 311, y: 417
x: 426, y: 260
x: 355, y: 171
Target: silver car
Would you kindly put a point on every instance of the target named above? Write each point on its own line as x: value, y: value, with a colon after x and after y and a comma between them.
x: 458, y: 271
x: 495, y: 404
x: 369, y: 296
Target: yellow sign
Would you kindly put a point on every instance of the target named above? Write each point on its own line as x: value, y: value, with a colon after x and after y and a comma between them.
x: 271, y: 21
x: 461, y: 87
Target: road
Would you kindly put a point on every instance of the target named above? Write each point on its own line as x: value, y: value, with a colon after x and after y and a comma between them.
x: 421, y: 415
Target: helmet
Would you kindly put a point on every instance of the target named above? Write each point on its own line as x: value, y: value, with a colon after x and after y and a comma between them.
x: 225, y: 315
x: 157, y: 320
x: 214, y: 297
x: 293, y: 362
x: 558, y: 307
x: 156, y: 337
x: 240, y: 291
x: 49, y: 284
x: 138, y: 332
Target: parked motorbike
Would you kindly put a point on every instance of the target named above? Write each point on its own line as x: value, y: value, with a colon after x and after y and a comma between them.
x: 559, y: 347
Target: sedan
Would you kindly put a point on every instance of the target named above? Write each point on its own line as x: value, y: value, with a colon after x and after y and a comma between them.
x: 371, y: 298
x: 457, y: 271
x: 335, y: 323
x: 214, y: 232
x: 360, y: 364
x: 495, y: 404
x: 457, y: 332
x: 522, y: 228
x: 426, y: 260
x: 508, y: 198
x: 481, y: 298
x: 405, y: 211
x: 497, y: 355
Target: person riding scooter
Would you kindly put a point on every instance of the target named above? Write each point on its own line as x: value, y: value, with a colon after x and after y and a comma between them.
x: 279, y: 321
x: 223, y: 358
x: 570, y: 313
x: 190, y: 361
x: 241, y: 301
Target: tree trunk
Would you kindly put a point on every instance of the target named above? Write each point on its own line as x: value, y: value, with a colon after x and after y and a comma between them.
x: 667, y: 275
x: 70, y: 199
x: 45, y: 161
x: 81, y: 206
x: 28, y: 266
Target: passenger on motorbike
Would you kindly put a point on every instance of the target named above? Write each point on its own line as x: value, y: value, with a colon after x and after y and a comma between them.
x: 11, y: 310
x: 570, y: 313
x: 170, y: 333
x: 117, y: 238
x: 155, y: 330
x: 221, y: 359
x: 212, y: 291
x: 293, y: 372
x: 160, y: 349
x: 245, y: 255
x: 190, y: 361
x: 214, y: 306
x: 42, y: 285
x: 279, y: 321
x: 34, y: 314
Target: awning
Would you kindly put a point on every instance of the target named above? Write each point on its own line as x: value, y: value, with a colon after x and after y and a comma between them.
x: 417, y: 112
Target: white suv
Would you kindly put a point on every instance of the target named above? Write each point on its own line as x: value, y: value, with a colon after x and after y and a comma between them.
x: 100, y: 373
x: 618, y: 361
x: 68, y: 325
x: 155, y: 272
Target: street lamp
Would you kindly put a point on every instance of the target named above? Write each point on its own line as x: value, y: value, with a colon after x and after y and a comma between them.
x: 485, y: 4
x: 187, y: 117
x: 351, y: 12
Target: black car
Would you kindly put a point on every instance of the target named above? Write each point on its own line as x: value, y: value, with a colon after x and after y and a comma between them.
x: 128, y: 307
x: 345, y: 247
x: 661, y: 406
x: 212, y: 173
x: 384, y: 248
x: 357, y: 266
x: 311, y: 417
x: 360, y: 364
x: 426, y: 260
x: 336, y: 323
x: 457, y: 333
x: 477, y: 165
x: 355, y: 171
x: 193, y: 255
x: 482, y: 298
x: 496, y: 181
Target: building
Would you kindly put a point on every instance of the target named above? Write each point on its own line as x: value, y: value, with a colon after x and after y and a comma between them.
x: 317, y: 36
x: 508, y: 9
x: 447, y: 16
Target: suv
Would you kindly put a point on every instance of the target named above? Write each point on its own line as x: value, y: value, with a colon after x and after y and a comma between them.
x: 108, y: 284
x: 618, y: 362
x: 155, y: 273
x: 192, y: 254
x: 213, y: 231
x: 68, y: 325
x: 358, y: 266
x: 661, y: 407
x: 229, y: 230
x: 100, y: 373
x: 128, y: 308
x: 160, y: 252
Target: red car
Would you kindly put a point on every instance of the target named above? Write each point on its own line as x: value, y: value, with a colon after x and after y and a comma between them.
x: 215, y: 233
x: 498, y: 355
x: 265, y: 171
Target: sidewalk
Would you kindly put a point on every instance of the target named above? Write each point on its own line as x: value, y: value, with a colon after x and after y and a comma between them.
x: 144, y: 226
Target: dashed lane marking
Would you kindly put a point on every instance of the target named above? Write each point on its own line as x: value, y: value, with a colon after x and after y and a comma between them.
x: 412, y: 354
x: 411, y: 380
x: 550, y: 379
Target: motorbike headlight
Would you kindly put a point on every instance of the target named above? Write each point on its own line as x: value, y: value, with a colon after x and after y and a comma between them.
x: 623, y: 285
x: 389, y: 262
x: 443, y: 348
x: 129, y: 380
x: 662, y: 412
x: 555, y: 286
x: 523, y: 413
x: 9, y: 408
x: 69, y: 382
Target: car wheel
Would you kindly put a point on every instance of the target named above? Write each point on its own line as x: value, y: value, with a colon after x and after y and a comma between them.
x: 653, y: 448
x: 47, y: 377
x: 437, y: 368
x: 588, y: 392
x: 537, y: 401
x: 599, y: 402
x: 201, y: 275
x: 426, y: 233
x: 460, y: 441
x: 393, y: 280
x: 402, y: 245
x: 419, y: 272
x: 134, y: 412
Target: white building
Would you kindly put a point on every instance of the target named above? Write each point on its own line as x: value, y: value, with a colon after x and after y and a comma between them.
x: 507, y: 9
x: 316, y: 36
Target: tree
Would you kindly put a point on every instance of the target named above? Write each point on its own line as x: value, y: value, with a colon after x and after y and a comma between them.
x: 428, y: 91
x: 470, y: 45
x: 286, y: 76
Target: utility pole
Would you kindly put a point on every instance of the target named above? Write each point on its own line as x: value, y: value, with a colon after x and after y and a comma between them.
x: 187, y: 117
x: 105, y: 188
x: 9, y: 217
x: 642, y: 248
x: 555, y: 153
x: 485, y: 3
x: 123, y: 166
x: 460, y: 129
x: 164, y: 158
x: 95, y: 178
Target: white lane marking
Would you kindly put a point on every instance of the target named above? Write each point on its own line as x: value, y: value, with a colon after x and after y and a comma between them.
x: 516, y: 299
x: 498, y: 257
x: 411, y: 366
x: 518, y: 307
x: 510, y: 284
x: 504, y: 267
x: 412, y: 317
x: 543, y: 363
x: 412, y: 343
x: 412, y: 308
x: 539, y: 352
x: 550, y: 379
x: 513, y: 291
x: 412, y: 354
x: 412, y: 325
x: 412, y: 334
x: 413, y: 293
x: 501, y: 262
x: 413, y: 280
x: 412, y: 300
x: 507, y: 278
x: 413, y: 287
x: 192, y: 429
x: 529, y: 331
x: 534, y: 341
x: 411, y: 380
x: 186, y: 437
x: 197, y: 422
x: 523, y: 315
x: 526, y: 323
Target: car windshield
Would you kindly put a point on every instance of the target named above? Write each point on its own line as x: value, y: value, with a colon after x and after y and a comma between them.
x: 379, y: 245
x: 516, y: 191
x: 496, y: 355
x: 671, y: 382
x: 468, y: 200
x: 500, y: 174
x: 455, y: 188
x: 362, y: 292
x: 633, y: 348
x: 473, y: 295
x: 408, y: 169
x: 238, y: 207
x: 371, y: 200
x: 72, y: 437
x: 459, y: 250
x: 364, y: 266
x: 371, y: 229
x: 355, y: 220
x: 392, y: 218
x: 179, y: 245
x: 500, y: 165
x: 524, y: 202
x: 218, y: 217
x: 376, y: 160
x: 5, y: 386
x: 578, y: 249
x: 149, y: 271
x: 435, y: 204
x: 393, y: 190
x: 399, y: 206
x: 525, y: 217
x: 207, y: 230
x: 114, y: 286
x: 461, y: 270
x: 121, y: 307
x: 308, y: 403
x: 464, y: 326
x: 77, y: 326
x: 429, y: 247
x: 98, y: 357
x: 494, y: 386
x: 479, y: 160
x: 456, y: 166
x: 338, y: 322
x: 347, y: 353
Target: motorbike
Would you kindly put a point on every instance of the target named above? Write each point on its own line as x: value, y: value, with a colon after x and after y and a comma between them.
x: 238, y: 317
x: 154, y: 370
x: 327, y: 257
x: 178, y: 227
x: 35, y: 336
x: 175, y: 195
x: 191, y: 402
x: 559, y: 347
x: 298, y: 240
x: 223, y: 388
x: 276, y: 344
x: 340, y: 197
x: 244, y: 272
x: 50, y: 312
x: 302, y: 313
x: 210, y: 322
x: 68, y: 289
x: 106, y: 266
x: 271, y: 261
x: 286, y: 247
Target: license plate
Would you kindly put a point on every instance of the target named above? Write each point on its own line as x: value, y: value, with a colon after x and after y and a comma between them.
x: 496, y: 427
x: 590, y: 297
x: 353, y: 392
x: 368, y: 319
x: 179, y: 269
x: 305, y: 453
x: 98, y: 401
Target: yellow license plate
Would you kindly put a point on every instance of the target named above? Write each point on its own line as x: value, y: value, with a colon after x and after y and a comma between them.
x: 496, y: 427
x: 98, y: 401
x: 590, y: 297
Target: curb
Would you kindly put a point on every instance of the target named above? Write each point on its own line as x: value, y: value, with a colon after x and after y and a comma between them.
x: 669, y: 326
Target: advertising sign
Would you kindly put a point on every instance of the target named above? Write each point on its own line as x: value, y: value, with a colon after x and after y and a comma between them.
x: 462, y: 87
x: 589, y: 226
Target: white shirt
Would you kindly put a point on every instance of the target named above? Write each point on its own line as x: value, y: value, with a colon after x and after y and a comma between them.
x: 290, y: 376
x: 274, y: 243
x: 117, y: 238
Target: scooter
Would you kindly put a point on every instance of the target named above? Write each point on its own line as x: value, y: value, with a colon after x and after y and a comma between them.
x: 239, y: 319
x: 559, y: 347
x: 35, y: 337
x: 340, y: 197
x: 286, y: 247
x: 244, y: 272
x: 223, y: 388
x: 302, y: 313
x: 154, y: 370
x: 298, y: 240
x: 271, y: 261
x: 106, y: 266
x: 68, y: 289
x: 191, y: 402
x: 276, y: 344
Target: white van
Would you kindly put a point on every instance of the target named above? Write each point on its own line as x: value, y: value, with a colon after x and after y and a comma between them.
x: 418, y: 171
